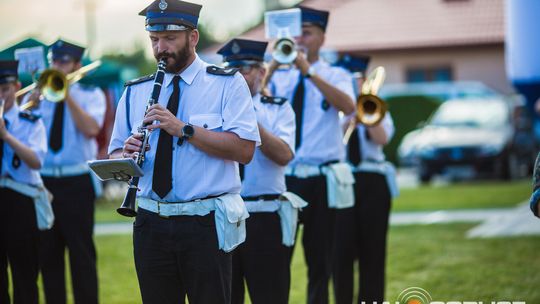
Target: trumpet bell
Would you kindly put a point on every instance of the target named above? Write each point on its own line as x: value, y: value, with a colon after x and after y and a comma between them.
x: 285, y: 51
x: 371, y: 109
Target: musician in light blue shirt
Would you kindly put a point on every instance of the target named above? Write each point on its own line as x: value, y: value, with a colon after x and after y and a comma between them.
x: 263, y: 261
x: 361, y: 230
x: 318, y: 92
x: 190, y: 214
x: 22, y: 149
x: 72, y: 126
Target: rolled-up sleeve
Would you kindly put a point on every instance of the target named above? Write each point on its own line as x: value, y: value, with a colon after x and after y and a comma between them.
x: 96, y: 105
x: 344, y: 82
x: 285, y: 126
x: 238, y: 111
x: 120, y: 129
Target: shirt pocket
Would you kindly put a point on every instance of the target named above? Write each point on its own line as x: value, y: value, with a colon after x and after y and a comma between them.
x: 207, y: 121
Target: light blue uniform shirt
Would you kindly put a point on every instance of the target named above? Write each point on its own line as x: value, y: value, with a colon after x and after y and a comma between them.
x: 76, y: 148
x: 215, y: 102
x: 372, y: 151
x: 321, y: 128
x: 32, y: 135
x: 262, y: 175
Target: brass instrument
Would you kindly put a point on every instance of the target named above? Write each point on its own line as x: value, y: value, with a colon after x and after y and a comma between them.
x: 53, y: 84
x: 285, y: 51
x: 370, y: 108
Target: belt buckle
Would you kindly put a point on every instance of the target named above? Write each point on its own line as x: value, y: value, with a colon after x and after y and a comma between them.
x: 159, y: 211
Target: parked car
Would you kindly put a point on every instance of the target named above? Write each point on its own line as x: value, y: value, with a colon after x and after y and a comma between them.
x: 473, y: 137
x: 442, y: 90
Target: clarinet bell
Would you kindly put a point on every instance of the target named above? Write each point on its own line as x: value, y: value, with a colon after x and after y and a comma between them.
x: 128, y: 206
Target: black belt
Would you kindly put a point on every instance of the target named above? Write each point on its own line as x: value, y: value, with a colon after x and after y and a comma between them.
x: 193, y: 200
x: 263, y: 197
x: 328, y: 163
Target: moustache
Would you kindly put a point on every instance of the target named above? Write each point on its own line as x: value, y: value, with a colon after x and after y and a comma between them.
x: 164, y: 55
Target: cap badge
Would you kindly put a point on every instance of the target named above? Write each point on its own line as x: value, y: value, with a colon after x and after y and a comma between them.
x: 235, y: 48
x: 163, y: 5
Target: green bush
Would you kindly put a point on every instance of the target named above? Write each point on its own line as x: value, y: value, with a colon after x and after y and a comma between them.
x: 407, y: 112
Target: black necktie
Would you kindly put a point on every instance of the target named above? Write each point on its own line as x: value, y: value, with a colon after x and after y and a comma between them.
x: 355, y: 154
x: 298, y: 107
x: 2, y: 146
x: 57, y: 127
x: 162, y: 179
x: 242, y: 170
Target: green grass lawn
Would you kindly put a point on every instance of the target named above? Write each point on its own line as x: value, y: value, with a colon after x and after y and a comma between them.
x: 437, y: 258
x: 469, y: 195
x: 106, y: 211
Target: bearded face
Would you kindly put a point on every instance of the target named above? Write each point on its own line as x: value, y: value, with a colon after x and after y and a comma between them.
x: 175, y: 47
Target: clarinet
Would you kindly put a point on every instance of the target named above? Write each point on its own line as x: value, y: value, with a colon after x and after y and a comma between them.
x: 128, y: 205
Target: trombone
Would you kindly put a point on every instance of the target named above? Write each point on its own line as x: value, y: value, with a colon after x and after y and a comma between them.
x: 53, y: 84
x: 370, y: 108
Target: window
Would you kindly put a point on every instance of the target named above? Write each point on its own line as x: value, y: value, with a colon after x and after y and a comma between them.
x: 429, y: 74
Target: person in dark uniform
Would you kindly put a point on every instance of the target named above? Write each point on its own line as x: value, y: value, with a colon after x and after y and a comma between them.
x: 72, y: 126
x: 190, y: 213
x: 22, y: 150
x: 263, y: 260
x: 534, y: 201
x: 361, y: 230
x: 318, y: 92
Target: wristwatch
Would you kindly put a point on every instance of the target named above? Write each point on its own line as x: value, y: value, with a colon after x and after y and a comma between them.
x: 310, y: 72
x: 188, y: 131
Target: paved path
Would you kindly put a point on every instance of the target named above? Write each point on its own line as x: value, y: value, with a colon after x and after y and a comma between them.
x: 518, y: 221
x: 493, y: 222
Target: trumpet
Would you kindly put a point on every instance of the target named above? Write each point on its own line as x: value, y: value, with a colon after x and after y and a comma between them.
x: 128, y: 205
x: 53, y: 84
x: 285, y: 51
x: 370, y: 108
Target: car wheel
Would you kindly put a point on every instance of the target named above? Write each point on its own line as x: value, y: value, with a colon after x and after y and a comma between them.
x: 515, y: 167
x: 424, y: 174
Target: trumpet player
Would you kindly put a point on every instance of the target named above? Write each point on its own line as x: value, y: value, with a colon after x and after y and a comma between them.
x: 72, y: 125
x: 318, y: 92
x: 190, y: 213
x: 361, y: 230
x: 263, y: 260
x: 22, y: 150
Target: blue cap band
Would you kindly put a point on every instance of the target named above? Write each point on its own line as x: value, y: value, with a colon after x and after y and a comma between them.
x: 164, y: 14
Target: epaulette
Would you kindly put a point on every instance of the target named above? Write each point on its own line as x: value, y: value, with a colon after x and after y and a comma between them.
x: 214, y: 70
x: 273, y: 100
x: 140, y: 80
x: 29, y: 116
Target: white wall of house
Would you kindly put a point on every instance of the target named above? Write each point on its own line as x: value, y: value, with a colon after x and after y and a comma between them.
x: 480, y: 63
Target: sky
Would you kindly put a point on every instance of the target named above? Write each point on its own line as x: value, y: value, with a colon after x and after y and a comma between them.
x: 118, y: 26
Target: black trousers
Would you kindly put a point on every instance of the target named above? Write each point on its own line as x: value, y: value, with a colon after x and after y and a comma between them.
x: 317, y: 239
x: 361, y: 234
x: 179, y: 255
x: 263, y: 261
x: 73, y: 207
x: 18, y: 247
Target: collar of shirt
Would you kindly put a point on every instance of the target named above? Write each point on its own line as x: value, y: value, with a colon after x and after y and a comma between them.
x: 12, y: 113
x: 188, y: 74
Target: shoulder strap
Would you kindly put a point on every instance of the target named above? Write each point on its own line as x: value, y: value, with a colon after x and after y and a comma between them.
x: 29, y: 116
x: 273, y: 100
x: 140, y: 80
x: 214, y: 70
